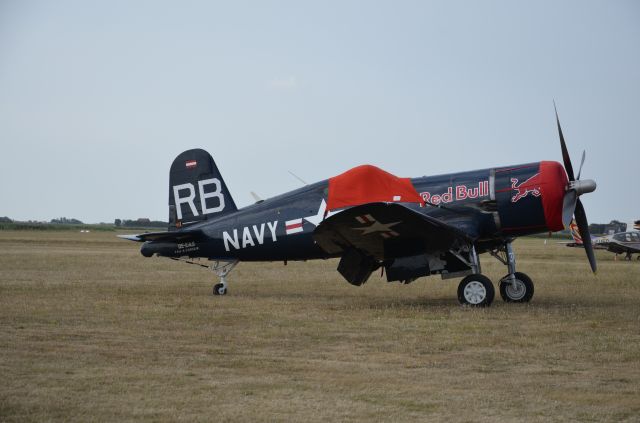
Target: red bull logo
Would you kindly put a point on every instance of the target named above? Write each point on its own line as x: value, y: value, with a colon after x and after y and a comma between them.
x: 530, y: 186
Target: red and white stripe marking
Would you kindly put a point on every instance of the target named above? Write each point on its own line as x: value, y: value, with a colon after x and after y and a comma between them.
x: 365, y: 218
x: 293, y: 226
x: 191, y: 164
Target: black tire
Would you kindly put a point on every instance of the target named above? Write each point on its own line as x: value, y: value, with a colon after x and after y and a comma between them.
x: 219, y: 289
x: 523, y: 291
x: 476, y: 291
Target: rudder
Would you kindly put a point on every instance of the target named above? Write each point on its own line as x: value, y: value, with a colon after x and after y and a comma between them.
x: 197, y: 191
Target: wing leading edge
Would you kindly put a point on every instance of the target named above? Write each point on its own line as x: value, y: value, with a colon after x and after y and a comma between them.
x: 620, y: 248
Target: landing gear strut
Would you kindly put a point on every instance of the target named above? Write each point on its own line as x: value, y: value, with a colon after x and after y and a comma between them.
x: 515, y: 287
x: 222, y: 269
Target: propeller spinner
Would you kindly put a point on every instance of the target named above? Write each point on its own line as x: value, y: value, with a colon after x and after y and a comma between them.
x: 571, y: 204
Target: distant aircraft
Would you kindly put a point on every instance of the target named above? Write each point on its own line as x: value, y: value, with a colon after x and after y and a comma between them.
x: 627, y: 243
x: 371, y: 219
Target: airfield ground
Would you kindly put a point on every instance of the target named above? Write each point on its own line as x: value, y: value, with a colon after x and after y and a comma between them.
x: 92, y: 331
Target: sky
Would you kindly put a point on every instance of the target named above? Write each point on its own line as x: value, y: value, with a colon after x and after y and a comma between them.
x: 98, y: 98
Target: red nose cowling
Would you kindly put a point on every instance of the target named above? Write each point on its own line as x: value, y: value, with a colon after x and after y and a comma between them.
x: 553, y: 184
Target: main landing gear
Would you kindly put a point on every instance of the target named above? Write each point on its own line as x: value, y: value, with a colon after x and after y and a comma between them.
x: 477, y: 290
x: 222, y: 269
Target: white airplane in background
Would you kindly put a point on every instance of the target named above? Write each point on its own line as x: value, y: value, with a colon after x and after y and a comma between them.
x: 627, y: 243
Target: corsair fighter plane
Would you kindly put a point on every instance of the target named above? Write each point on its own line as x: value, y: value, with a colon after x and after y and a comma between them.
x: 371, y: 219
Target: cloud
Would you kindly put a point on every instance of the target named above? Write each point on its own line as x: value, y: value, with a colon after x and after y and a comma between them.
x: 288, y: 83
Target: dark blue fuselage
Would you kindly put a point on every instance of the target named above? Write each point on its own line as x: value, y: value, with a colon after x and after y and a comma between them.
x: 489, y: 205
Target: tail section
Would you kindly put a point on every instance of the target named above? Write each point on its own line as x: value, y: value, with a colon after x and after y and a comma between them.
x: 197, y: 192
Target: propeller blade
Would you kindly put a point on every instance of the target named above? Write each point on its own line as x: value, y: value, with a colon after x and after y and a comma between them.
x: 568, y: 207
x: 565, y: 154
x: 583, y: 227
x: 584, y: 153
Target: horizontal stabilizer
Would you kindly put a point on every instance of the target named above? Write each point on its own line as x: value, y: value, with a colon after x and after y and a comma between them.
x: 174, y: 236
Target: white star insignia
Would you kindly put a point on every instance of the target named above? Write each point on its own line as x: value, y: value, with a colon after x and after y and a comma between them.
x: 379, y: 227
x: 316, y: 219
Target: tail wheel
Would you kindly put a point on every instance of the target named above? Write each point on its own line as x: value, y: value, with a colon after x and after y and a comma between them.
x: 219, y: 289
x: 519, y: 290
x: 476, y: 290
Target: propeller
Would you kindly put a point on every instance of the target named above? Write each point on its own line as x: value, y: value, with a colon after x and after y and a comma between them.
x: 571, y: 205
x: 581, y: 163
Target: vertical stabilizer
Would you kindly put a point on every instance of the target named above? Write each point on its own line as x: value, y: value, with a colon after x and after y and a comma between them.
x: 197, y: 191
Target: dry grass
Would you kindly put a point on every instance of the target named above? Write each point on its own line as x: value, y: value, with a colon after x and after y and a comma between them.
x: 92, y: 331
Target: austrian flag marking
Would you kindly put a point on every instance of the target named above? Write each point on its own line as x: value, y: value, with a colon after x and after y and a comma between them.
x: 191, y: 164
x: 293, y: 226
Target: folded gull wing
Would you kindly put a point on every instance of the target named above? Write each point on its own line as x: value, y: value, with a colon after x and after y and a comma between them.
x: 386, y: 231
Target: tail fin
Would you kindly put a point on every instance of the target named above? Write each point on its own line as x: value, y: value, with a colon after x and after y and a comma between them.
x: 197, y: 192
x: 575, y: 232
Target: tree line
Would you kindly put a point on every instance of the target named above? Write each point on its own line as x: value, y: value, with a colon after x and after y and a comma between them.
x: 141, y: 222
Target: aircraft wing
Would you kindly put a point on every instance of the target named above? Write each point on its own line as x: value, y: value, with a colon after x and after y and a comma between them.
x: 619, y: 247
x: 385, y: 231
x: 174, y: 236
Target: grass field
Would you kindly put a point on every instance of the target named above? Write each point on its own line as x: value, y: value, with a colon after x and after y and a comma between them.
x: 92, y: 331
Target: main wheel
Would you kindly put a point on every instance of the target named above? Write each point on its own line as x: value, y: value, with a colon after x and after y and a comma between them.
x: 476, y: 290
x: 219, y: 289
x: 520, y: 291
